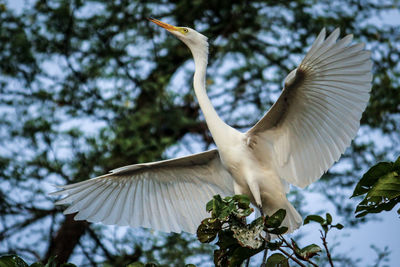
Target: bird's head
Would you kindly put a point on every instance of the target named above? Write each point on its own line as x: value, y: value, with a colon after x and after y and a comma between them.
x: 193, y: 39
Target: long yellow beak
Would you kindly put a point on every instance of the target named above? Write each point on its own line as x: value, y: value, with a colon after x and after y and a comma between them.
x: 166, y: 26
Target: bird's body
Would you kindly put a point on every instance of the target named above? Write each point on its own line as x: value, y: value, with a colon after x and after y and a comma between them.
x: 297, y: 140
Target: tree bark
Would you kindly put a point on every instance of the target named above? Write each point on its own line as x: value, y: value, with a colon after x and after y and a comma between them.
x: 66, y: 239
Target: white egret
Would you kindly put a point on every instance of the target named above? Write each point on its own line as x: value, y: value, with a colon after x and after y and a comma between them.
x: 307, y: 129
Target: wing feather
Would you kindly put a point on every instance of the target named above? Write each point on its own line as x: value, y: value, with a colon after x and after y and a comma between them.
x: 159, y: 204
x: 123, y: 206
x: 137, y: 212
x: 87, y: 208
x: 318, y: 112
x: 128, y: 204
x: 168, y: 195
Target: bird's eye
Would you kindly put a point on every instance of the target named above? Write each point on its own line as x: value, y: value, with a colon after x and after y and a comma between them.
x: 185, y: 30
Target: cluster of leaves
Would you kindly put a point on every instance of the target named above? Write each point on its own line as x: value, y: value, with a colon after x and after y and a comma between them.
x: 239, y: 240
x: 326, y: 223
x: 381, y: 187
x: 15, y: 261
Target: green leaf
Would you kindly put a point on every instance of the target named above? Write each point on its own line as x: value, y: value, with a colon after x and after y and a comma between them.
x: 215, y: 206
x: 210, y: 205
x: 12, y: 261
x: 226, y: 239
x: 388, y: 186
x: 278, y: 231
x: 373, y: 175
x: 220, y: 208
x: 365, y: 208
x: 306, y: 252
x: 52, y: 262
x: 328, y: 218
x: 242, y: 206
x: 314, y: 218
x: 238, y: 205
x: 240, y: 254
x: 274, y: 245
x: 242, y: 200
x: 338, y: 226
x: 381, y: 186
x: 242, y: 213
x: 309, y: 251
x: 249, y: 235
x: 276, y: 219
x: 277, y: 260
x: 208, y: 229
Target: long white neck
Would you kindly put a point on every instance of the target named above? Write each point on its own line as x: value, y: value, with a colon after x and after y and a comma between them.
x: 218, y: 128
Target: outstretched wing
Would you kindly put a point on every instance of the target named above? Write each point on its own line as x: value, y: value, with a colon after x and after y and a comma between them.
x: 168, y: 195
x: 318, y: 112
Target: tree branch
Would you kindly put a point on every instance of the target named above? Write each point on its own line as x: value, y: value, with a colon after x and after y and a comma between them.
x: 291, y: 257
x: 323, y: 237
x: 67, y: 237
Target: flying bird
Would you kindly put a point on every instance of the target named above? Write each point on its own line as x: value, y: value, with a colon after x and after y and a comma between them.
x: 308, y: 128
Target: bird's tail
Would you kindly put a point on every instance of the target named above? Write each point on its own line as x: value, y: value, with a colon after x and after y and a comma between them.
x: 293, y: 219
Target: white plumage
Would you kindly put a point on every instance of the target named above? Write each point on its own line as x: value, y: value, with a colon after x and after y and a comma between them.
x: 297, y: 140
x: 167, y: 195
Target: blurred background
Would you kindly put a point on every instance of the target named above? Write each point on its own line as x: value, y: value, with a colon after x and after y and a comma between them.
x: 89, y: 86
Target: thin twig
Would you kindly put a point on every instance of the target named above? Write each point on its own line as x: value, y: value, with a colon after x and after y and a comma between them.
x: 87, y: 255
x: 323, y: 237
x: 292, y: 248
x: 264, y: 261
x: 291, y: 257
x: 248, y: 262
x: 99, y: 243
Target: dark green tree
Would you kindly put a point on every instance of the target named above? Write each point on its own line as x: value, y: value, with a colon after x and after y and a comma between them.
x: 88, y: 86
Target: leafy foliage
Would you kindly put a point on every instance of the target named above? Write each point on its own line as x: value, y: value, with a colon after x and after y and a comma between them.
x: 140, y: 264
x: 381, y: 187
x: 15, y: 261
x: 239, y: 240
x: 326, y: 223
x: 277, y: 260
x: 307, y: 252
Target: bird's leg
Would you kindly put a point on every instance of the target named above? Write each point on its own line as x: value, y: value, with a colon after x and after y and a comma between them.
x: 267, y: 235
x: 255, y: 191
x: 260, y: 209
